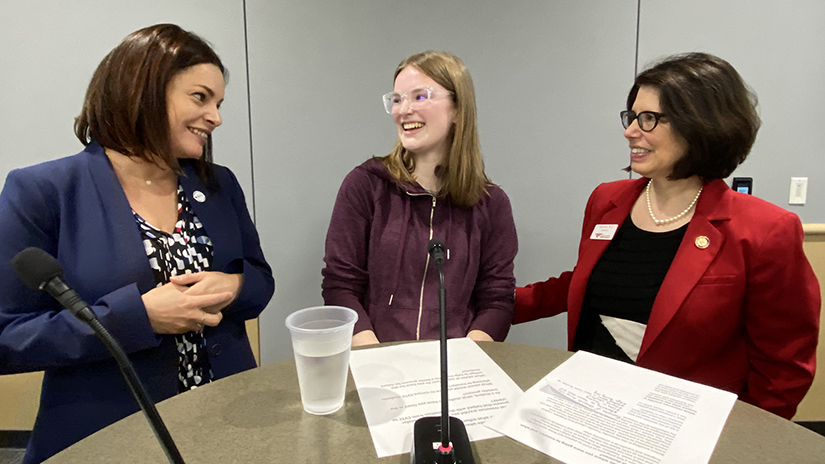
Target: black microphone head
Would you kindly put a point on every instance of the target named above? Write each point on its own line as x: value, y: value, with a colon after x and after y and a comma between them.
x: 34, y: 267
x: 435, y: 244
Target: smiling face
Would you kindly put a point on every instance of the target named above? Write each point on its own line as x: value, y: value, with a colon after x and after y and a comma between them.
x: 424, y: 131
x: 193, y: 101
x: 653, y: 154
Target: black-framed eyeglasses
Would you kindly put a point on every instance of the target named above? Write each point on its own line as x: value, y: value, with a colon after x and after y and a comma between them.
x: 648, y: 120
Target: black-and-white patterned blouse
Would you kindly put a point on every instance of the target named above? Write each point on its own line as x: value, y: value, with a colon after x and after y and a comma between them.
x: 186, y: 250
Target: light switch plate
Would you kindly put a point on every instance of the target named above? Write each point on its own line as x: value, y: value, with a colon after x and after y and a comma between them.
x: 799, y: 191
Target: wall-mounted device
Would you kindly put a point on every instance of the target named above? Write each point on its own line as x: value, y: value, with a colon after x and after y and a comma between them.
x: 743, y: 185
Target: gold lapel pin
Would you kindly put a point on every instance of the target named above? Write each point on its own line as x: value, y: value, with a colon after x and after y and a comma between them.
x: 702, y: 242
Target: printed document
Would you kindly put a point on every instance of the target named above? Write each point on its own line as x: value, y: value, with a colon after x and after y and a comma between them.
x: 399, y: 384
x: 593, y: 409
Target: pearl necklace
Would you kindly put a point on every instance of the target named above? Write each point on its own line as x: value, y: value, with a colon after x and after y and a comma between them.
x: 660, y: 222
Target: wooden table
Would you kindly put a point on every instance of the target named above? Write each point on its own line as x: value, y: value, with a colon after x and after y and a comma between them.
x: 256, y: 417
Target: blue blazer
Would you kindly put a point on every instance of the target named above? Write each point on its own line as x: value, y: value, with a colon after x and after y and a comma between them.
x: 75, y: 209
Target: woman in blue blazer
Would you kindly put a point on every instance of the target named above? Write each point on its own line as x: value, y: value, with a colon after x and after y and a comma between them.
x: 147, y: 230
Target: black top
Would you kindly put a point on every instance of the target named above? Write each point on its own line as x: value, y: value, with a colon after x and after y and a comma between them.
x: 623, y: 285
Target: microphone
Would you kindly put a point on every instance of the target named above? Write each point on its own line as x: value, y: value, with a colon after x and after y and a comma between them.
x: 454, y: 446
x: 436, y: 250
x: 38, y: 270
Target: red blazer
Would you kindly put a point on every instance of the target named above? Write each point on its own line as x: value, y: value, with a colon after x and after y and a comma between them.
x: 741, y: 314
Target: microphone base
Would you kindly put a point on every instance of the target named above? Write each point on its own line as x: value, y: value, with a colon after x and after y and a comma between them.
x: 427, y: 438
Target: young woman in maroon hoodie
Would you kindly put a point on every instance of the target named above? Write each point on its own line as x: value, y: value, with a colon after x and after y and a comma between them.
x: 432, y: 184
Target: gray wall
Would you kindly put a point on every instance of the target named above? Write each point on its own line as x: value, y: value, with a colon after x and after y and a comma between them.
x: 317, y: 72
x: 50, y: 49
x: 550, y: 75
x: 779, y: 49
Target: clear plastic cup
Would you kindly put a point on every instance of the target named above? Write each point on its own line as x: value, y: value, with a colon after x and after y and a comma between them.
x: 321, y: 340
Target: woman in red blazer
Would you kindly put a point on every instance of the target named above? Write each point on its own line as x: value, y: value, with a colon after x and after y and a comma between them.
x: 677, y: 272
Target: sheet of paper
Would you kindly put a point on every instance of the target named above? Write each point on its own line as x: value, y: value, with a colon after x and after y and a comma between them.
x: 593, y: 409
x: 399, y: 384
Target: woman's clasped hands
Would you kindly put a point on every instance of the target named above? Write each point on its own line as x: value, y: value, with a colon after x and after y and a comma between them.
x: 190, y: 301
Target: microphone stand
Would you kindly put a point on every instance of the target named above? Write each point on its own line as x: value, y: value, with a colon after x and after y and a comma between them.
x: 40, y: 271
x: 426, y: 431
x: 138, y: 391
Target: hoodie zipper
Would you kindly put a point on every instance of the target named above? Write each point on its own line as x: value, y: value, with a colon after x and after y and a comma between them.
x: 424, y: 279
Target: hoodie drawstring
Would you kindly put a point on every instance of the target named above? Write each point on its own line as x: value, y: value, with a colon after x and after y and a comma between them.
x: 400, y: 250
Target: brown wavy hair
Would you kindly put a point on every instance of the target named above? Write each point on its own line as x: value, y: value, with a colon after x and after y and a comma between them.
x: 125, y: 105
x: 462, y: 172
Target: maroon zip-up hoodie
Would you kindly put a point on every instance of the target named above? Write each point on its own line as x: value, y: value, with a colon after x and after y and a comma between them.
x: 377, y: 261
